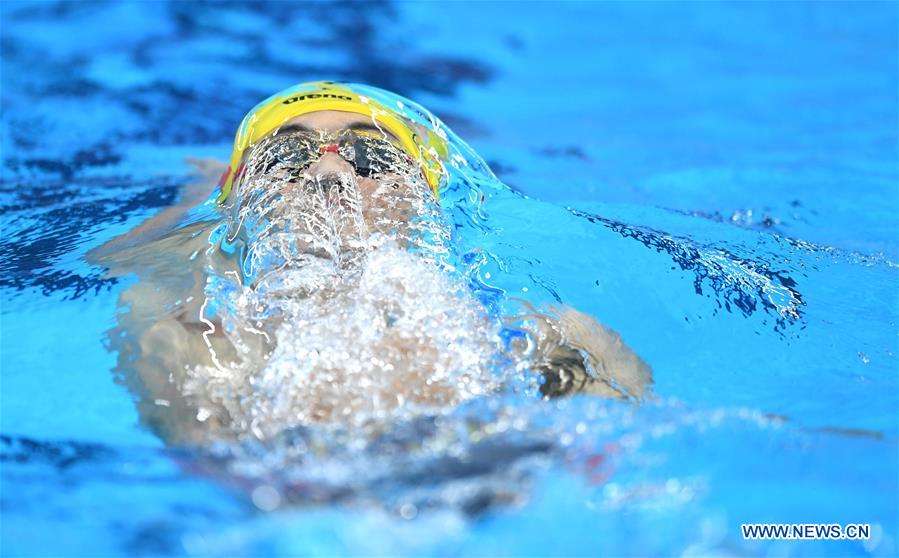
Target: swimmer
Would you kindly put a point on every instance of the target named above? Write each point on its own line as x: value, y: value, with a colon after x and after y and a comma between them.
x: 315, y: 288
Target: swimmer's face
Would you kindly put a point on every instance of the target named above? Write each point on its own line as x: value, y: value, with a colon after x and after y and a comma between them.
x: 339, y: 168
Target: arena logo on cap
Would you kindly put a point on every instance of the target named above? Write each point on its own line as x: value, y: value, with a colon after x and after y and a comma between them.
x: 316, y: 96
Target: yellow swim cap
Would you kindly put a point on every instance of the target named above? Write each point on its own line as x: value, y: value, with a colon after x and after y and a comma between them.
x: 422, y: 144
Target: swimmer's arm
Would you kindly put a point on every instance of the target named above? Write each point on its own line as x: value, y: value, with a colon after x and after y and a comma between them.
x: 207, y: 172
x: 577, y: 354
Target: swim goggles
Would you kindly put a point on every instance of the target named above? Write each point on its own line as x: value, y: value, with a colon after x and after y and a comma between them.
x: 420, y: 143
x: 295, y: 152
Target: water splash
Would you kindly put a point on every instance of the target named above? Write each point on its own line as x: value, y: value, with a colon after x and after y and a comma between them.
x: 345, y: 308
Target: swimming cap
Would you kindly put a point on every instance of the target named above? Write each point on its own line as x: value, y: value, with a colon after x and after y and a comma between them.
x: 422, y: 144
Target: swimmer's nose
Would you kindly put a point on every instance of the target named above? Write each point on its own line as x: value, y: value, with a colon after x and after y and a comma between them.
x: 330, y: 164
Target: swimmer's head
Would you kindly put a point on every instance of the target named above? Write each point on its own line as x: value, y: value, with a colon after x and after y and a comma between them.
x: 330, y: 184
x: 330, y: 107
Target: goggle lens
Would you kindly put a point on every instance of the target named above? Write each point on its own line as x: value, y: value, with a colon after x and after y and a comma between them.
x: 369, y: 154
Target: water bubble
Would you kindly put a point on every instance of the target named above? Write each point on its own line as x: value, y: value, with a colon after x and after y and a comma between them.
x: 266, y: 498
x: 408, y: 511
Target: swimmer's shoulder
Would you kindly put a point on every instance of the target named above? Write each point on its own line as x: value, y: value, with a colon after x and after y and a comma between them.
x: 166, y: 223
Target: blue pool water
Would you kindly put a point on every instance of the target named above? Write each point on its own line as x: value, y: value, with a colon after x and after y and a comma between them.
x: 717, y: 182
